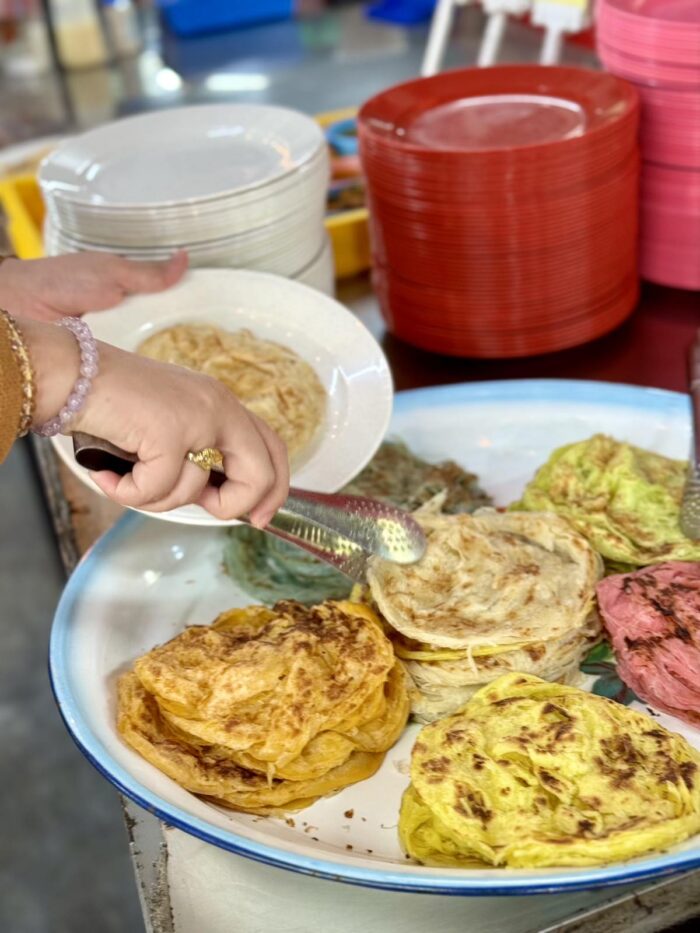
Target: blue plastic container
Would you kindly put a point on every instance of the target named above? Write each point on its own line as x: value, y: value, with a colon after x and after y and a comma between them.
x: 342, y: 137
x: 198, y: 17
x: 402, y: 12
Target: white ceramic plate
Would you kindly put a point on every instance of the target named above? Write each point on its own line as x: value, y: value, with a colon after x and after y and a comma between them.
x: 273, y: 235
x: 348, y: 360
x: 187, y: 223
x: 320, y: 273
x: 281, y: 248
x: 144, y: 582
x: 184, y: 154
x: 15, y: 158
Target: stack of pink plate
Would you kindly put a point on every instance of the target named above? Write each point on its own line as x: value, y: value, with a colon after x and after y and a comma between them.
x: 655, y: 44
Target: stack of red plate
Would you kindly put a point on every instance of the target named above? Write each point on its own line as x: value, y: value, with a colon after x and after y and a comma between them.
x: 503, y: 206
x: 656, y: 45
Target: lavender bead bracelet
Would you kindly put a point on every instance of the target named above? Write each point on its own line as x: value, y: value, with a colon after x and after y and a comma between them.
x: 89, y: 359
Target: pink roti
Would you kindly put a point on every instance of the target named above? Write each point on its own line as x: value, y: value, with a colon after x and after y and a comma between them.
x: 653, y: 619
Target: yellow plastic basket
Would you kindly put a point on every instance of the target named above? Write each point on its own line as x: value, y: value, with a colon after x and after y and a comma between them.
x: 21, y: 201
x: 349, y: 231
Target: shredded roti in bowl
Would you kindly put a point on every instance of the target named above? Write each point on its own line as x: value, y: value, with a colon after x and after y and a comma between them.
x: 271, y: 380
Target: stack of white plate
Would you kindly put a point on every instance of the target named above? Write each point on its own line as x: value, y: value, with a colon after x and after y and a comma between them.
x: 236, y: 185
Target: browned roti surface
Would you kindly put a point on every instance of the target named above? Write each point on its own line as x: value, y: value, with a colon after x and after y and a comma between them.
x: 268, y: 708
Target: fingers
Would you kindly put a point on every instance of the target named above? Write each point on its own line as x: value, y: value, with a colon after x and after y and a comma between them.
x: 261, y: 514
x: 194, y: 412
x: 187, y: 489
x: 139, y: 277
x: 106, y: 482
x: 258, y: 485
x: 248, y: 480
x: 250, y: 469
x: 149, y: 482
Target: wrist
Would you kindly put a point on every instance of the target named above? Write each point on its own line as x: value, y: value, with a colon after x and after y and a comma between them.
x: 9, y: 269
x: 66, y: 360
x: 56, y: 359
x: 101, y: 395
x: 89, y: 357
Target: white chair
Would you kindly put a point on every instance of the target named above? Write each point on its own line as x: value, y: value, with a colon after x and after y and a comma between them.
x: 556, y: 16
x: 440, y: 28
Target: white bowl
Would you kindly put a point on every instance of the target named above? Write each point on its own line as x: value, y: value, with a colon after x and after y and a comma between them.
x: 301, y: 191
x: 318, y: 272
x: 347, y: 359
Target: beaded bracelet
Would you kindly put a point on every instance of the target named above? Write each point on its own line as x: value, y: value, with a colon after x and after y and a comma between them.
x: 89, y: 359
x: 26, y: 370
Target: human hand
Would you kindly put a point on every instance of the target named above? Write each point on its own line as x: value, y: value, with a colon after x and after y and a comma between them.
x: 161, y: 412
x: 49, y: 289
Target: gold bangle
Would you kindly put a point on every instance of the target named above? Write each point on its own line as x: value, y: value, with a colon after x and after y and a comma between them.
x: 21, y: 354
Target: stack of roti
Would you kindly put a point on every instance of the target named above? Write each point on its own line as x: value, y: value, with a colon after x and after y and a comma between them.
x: 495, y: 592
x: 532, y: 774
x: 268, y: 709
x: 269, y: 569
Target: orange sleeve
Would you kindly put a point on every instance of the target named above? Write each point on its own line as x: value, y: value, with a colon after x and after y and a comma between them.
x: 10, y: 393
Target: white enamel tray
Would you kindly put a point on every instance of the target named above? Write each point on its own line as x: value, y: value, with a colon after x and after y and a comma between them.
x: 144, y: 581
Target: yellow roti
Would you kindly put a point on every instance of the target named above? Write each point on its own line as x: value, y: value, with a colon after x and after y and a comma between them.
x: 268, y: 708
x: 531, y: 774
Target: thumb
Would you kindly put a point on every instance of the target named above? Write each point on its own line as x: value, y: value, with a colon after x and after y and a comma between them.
x: 139, y: 277
x: 106, y: 481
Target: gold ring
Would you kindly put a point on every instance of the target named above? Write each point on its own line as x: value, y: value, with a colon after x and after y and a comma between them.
x: 209, y: 458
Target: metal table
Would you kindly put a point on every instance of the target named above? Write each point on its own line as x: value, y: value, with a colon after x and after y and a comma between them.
x: 186, y: 885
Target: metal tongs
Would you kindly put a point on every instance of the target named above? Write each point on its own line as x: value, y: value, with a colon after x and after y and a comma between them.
x: 344, y: 531
x: 690, y: 509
